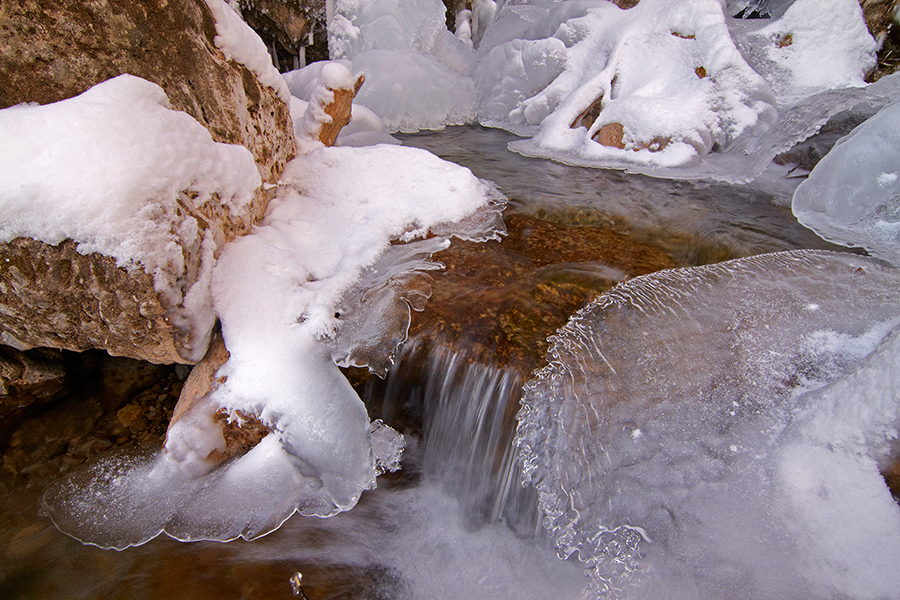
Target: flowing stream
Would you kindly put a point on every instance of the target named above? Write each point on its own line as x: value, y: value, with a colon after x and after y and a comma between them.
x: 454, y: 522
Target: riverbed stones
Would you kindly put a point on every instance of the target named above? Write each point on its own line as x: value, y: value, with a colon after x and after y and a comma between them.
x: 502, y: 299
x: 54, y: 49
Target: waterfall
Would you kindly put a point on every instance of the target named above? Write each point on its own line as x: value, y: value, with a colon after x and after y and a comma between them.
x: 463, y: 410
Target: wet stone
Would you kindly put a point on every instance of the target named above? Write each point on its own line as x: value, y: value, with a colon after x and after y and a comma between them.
x: 505, y: 298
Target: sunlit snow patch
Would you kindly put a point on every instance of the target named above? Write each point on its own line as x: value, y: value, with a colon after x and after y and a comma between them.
x: 329, y: 276
x: 852, y: 196
x: 765, y: 394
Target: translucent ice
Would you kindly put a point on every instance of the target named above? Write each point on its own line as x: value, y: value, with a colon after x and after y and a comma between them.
x: 852, y: 197
x: 716, y: 432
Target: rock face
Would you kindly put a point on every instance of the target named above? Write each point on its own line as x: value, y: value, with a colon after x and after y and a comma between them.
x: 287, y: 26
x: 29, y: 377
x: 53, y: 50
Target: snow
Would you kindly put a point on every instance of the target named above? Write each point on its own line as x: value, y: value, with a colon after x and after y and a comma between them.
x: 240, y: 43
x: 365, y: 128
x: 415, y: 69
x: 693, y: 89
x: 108, y: 169
x: 318, y: 282
x: 852, y: 197
x: 829, y: 47
x: 755, y: 473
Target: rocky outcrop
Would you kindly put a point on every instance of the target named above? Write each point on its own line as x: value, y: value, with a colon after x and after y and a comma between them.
x: 241, y: 431
x: 29, y: 377
x: 340, y: 110
x: 54, y: 50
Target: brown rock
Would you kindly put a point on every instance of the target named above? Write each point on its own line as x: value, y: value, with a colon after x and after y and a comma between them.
x: 56, y: 49
x: 121, y: 379
x: 701, y: 72
x: 202, y: 379
x: 286, y: 26
x: 589, y: 115
x: 786, y: 41
x: 654, y: 145
x: 339, y: 110
x: 241, y: 430
x: 53, y: 296
x: 879, y: 17
x: 27, y: 377
x: 611, y: 135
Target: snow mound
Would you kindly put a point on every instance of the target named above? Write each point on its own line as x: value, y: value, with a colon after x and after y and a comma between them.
x: 330, y: 276
x: 672, y: 88
x: 416, y: 71
x: 716, y: 432
x: 852, y: 197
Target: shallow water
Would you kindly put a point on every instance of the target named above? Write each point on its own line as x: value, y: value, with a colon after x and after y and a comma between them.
x: 451, y: 525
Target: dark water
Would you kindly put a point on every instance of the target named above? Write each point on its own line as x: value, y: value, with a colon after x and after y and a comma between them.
x: 454, y: 523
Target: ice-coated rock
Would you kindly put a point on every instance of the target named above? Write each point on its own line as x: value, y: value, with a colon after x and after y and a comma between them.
x: 700, y: 432
x: 852, y: 197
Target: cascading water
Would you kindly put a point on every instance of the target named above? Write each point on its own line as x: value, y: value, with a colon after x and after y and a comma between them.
x: 467, y: 410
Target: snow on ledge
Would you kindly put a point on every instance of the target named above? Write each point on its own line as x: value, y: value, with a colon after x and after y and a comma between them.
x: 240, y: 43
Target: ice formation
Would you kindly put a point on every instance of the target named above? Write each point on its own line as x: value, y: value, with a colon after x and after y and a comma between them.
x: 679, y: 83
x: 852, y: 197
x: 717, y: 432
x: 416, y: 70
x: 318, y: 283
x: 671, y: 88
x: 107, y: 169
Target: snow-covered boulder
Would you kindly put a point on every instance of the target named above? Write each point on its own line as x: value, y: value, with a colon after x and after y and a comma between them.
x: 146, y: 301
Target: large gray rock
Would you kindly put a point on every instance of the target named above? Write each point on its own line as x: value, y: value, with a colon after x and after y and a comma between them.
x: 55, y: 49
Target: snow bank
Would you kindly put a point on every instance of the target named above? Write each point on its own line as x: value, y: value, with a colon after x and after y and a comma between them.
x: 240, y: 43
x: 682, y: 80
x: 813, y: 47
x: 671, y: 88
x: 665, y: 71
x: 852, y: 197
x: 416, y: 71
x: 716, y: 432
x: 109, y: 169
x: 318, y: 282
